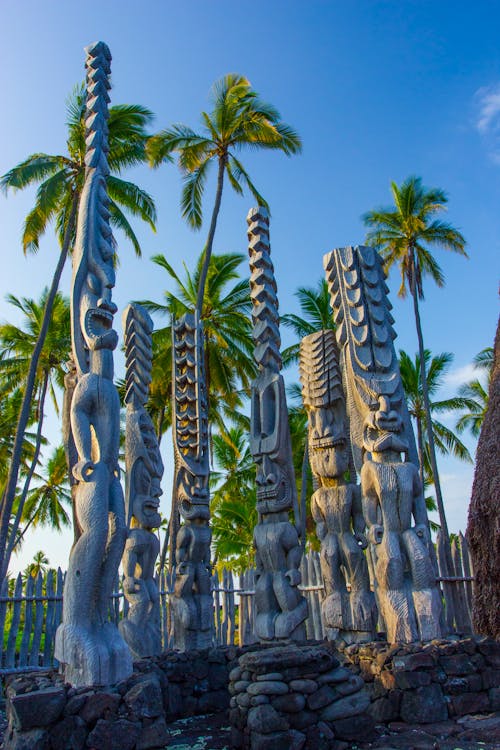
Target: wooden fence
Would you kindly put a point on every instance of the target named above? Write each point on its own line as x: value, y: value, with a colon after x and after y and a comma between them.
x: 29, y: 616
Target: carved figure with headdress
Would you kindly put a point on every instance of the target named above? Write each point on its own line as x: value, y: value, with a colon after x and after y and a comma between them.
x: 90, y: 647
x: 392, y: 497
x: 192, y: 600
x: 349, y: 613
x: 281, y: 608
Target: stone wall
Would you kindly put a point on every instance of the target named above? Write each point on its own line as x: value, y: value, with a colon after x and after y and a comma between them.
x: 45, y: 714
x: 412, y: 683
x: 423, y: 684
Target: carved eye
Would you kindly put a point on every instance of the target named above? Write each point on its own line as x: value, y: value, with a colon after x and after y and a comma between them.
x: 94, y: 284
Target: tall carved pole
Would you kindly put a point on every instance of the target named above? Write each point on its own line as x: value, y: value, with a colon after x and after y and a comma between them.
x: 91, y: 648
x: 381, y: 432
x: 141, y: 627
x: 192, y: 600
x: 281, y: 608
x: 336, y: 504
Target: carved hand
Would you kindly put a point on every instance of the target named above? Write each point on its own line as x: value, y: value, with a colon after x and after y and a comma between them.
x: 83, y: 470
x: 375, y: 534
x: 422, y: 531
x: 293, y: 576
x: 361, y: 540
x: 130, y: 585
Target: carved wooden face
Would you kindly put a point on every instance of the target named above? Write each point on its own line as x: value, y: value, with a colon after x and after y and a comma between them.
x: 382, y: 425
x: 146, y: 501
x: 270, y: 445
x: 328, y: 447
x: 97, y: 310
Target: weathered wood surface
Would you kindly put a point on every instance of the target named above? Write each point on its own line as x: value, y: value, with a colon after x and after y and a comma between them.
x: 29, y: 616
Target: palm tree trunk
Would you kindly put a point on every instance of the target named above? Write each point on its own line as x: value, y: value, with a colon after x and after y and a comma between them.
x: 448, y: 563
x: 428, y: 418
x: 10, y: 490
x: 12, y: 541
x: 210, y: 238
x: 420, y: 441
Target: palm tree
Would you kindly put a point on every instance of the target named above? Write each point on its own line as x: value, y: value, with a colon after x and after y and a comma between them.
x: 234, y: 512
x: 45, y: 503
x: 238, y: 120
x: 39, y: 564
x: 16, y: 348
x: 475, y: 393
x: 229, y: 364
x: 445, y: 439
x: 403, y: 233
x: 316, y: 316
x: 60, y: 180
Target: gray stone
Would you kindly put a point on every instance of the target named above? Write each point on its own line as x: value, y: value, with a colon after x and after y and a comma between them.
x: 490, y: 678
x: 235, y: 674
x: 154, y: 735
x: 494, y: 696
x: 290, y: 703
x: 259, y: 700
x: 303, y: 686
x: 114, y: 735
x: 351, y: 705
x: 75, y: 704
x: 270, y: 676
x: 145, y: 699
x: 410, y: 662
x: 265, y: 719
x: 339, y: 674
x: 424, y: 705
x: 297, y: 739
x: 241, y: 686
x: 87, y: 644
x: 325, y: 730
x: 321, y: 698
x: 457, y: 664
x: 289, y: 660
x: 37, y: 709
x: 99, y: 706
x: 303, y: 719
x: 354, y: 728
x: 352, y: 685
x: 243, y: 700
x: 34, y: 739
x: 273, y: 741
x: 470, y: 703
x: 269, y: 687
x: 68, y: 734
x: 408, y: 680
x: 386, y: 708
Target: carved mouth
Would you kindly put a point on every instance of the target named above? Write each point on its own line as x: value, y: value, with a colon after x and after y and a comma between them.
x: 151, y: 506
x: 328, y: 442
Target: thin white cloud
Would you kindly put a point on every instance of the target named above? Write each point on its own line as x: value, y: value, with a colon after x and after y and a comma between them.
x: 459, y: 375
x: 488, y: 118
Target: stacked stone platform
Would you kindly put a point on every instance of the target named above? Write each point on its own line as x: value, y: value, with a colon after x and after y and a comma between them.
x: 290, y: 697
x: 427, y: 683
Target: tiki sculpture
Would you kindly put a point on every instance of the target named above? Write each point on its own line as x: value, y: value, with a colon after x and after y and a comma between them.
x: 281, y: 608
x: 405, y: 583
x: 336, y: 504
x: 141, y: 627
x: 192, y: 600
x: 88, y: 645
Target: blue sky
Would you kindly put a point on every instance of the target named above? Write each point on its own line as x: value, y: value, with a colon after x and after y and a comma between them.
x: 377, y: 90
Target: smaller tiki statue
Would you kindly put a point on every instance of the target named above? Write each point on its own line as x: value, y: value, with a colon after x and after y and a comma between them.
x: 192, y: 600
x: 281, y: 608
x: 405, y: 584
x: 87, y: 644
x: 141, y: 627
x: 336, y: 504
